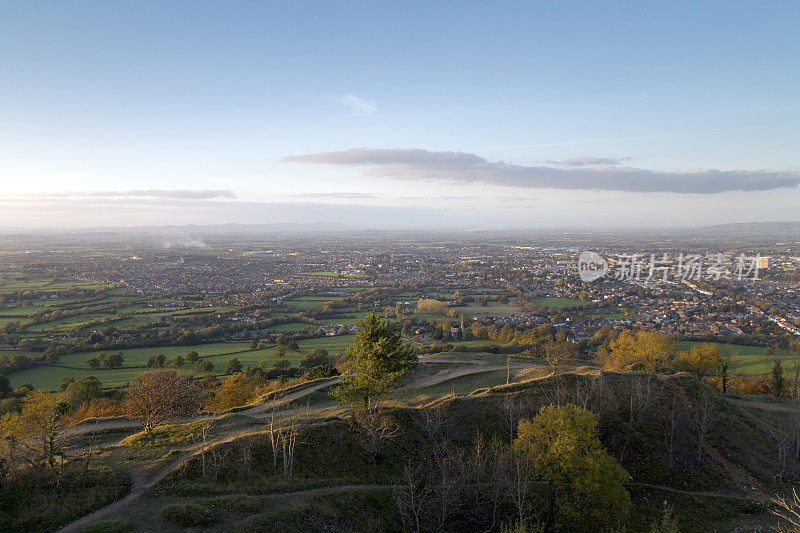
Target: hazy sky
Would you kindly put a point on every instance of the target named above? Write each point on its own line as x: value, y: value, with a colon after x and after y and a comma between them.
x: 399, y: 114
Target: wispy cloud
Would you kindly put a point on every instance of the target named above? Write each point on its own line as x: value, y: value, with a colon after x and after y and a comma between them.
x: 461, y: 167
x: 345, y: 195
x: 175, y: 194
x: 358, y: 106
x: 589, y: 161
x: 440, y: 197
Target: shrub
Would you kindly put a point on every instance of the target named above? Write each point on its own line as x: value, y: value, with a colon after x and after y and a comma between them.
x: 584, y: 482
x: 189, y: 515
x: 96, y: 408
x: 205, y: 365
x: 648, y: 351
x: 237, y: 390
x: 744, y: 384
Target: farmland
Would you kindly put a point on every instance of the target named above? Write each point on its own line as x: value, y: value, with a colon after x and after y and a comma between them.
x: 287, y: 316
x: 75, y: 365
x: 750, y: 360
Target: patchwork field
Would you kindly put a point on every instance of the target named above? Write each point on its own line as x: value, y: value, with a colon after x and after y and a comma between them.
x: 75, y: 365
x: 309, y: 302
x: 55, y: 285
x: 558, y: 303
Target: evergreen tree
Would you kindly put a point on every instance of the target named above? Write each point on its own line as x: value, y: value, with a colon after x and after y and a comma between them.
x: 777, y: 379
x: 376, y: 360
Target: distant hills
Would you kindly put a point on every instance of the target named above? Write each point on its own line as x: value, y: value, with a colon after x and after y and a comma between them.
x: 753, y: 229
x: 200, y: 229
x: 738, y: 231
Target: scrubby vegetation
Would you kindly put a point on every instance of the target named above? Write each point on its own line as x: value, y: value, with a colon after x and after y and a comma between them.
x: 375, y: 437
x: 458, y: 463
x: 43, y: 500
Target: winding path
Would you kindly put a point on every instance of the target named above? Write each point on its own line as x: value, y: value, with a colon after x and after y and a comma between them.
x: 143, y: 480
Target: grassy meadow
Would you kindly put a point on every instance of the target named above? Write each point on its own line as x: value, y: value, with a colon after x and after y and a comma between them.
x: 219, y: 353
x: 748, y: 360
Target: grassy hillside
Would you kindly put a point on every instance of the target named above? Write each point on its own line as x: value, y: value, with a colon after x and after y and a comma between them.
x: 651, y: 424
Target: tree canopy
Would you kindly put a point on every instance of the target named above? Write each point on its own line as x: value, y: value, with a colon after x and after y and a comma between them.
x: 375, y: 362
x: 647, y: 351
x: 701, y: 360
x: 585, y: 483
x: 160, y: 396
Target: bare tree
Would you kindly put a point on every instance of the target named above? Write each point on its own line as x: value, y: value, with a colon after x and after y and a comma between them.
x: 789, y: 510
x: 159, y: 397
x: 641, y: 394
x: 784, y: 445
x: 559, y: 353
x: 272, y: 432
x: 670, y: 423
x: 287, y: 437
x: 789, y: 442
x: 795, y: 433
x: 522, y: 474
x: 412, y: 497
x: 92, y: 446
x: 205, y: 430
x: 638, y: 402
x: 375, y: 426
x: 498, y: 460
x: 448, y: 486
x: 217, y: 459
x: 702, y: 419
x: 794, y: 351
x: 431, y: 420
x: 511, y: 411
x: 244, y: 461
x: 283, y: 440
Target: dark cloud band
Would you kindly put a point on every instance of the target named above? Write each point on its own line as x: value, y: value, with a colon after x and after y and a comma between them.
x: 461, y: 167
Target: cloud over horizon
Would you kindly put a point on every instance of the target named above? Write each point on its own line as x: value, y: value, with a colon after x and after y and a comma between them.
x: 175, y: 194
x: 588, y: 161
x: 342, y: 195
x: 462, y: 167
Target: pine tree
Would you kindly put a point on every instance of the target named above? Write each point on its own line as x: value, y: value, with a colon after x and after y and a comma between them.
x: 778, y: 381
x: 376, y: 360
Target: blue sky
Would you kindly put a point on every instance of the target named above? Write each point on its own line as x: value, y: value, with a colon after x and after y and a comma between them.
x: 401, y: 114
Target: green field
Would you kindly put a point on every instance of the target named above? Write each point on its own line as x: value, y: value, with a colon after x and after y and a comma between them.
x: 290, y: 327
x: 749, y: 360
x: 346, y: 320
x: 558, y: 303
x: 252, y: 357
x: 135, y: 362
x: 492, y: 309
x: 309, y: 302
x: 219, y: 353
x: 15, y: 285
x: 125, y: 317
x: 465, y: 384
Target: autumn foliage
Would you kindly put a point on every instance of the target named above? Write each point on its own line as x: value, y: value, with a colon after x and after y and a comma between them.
x: 159, y: 397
